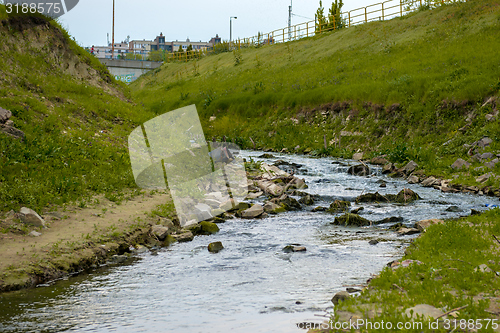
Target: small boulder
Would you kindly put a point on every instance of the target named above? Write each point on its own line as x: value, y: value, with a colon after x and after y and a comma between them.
x: 431, y: 181
x: 320, y: 209
x: 339, y: 206
x: 408, y: 231
x: 29, y: 216
x: 357, y: 156
x: 35, y: 234
x: 209, y: 228
x: 406, y: 196
x: 371, y: 197
x: 410, y: 167
x: 294, y: 248
x: 340, y: 296
x: 307, y: 200
x: 351, y: 220
x: 253, y: 212
x: 160, y: 232
x: 379, y: 161
x: 388, y: 168
x: 423, y: 310
x: 357, y: 210
x: 373, y: 242
x: 215, y: 247
x: 483, y: 268
x: 266, y: 155
x: 272, y: 208
x: 183, y: 236
x: 287, y: 202
x: 359, y: 170
x: 459, y: 164
x: 254, y: 195
x: 424, y: 224
x: 454, y: 209
x: 484, y: 178
x: 4, y: 115
x: 413, y: 179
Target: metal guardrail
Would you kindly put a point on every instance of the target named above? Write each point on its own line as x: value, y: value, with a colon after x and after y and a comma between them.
x: 381, y: 11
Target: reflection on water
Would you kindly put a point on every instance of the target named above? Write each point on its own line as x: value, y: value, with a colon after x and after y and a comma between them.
x: 250, y: 286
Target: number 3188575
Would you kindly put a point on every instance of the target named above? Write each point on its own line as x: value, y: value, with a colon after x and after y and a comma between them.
x: 32, y: 8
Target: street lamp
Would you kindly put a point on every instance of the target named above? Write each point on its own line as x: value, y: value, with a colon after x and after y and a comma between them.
x: 231, y: 29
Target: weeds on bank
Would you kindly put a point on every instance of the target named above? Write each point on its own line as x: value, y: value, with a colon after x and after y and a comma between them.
x: 449, y: 275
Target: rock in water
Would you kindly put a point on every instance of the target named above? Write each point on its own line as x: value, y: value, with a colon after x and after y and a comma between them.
x: 29, y: 216
x: 252, y: 212
x: 209, y: 227
x: 339, y: 206
x: 215, y: 247
x: 406, y: 195
x: 371, y: 197
x: 294, y: 248
x: 351, y: 220
x: 307, y: 200
x: 410, y: 167
x: 340, y: 296
x: 359, y: 170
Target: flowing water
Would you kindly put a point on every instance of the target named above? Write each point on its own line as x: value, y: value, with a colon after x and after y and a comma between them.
x: 251, y: 285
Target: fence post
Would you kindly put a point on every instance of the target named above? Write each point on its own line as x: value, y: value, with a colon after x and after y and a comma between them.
x: 307, y: 29
x: 401, y: 7
x: 383, y: 16
x: 366, y: 15
x: 349, y: 19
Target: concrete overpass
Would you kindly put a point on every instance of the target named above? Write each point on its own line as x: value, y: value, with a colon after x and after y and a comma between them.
x: 129, y: 70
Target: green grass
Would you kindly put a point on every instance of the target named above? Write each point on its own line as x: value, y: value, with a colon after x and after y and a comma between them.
x: 412, y: 81
x: 76, y: 126
x: 447, y: 277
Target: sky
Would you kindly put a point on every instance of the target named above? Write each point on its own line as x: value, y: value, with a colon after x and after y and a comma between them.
x: 91, y: 20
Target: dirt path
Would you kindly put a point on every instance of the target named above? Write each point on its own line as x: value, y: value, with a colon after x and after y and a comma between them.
x: 76, y: 238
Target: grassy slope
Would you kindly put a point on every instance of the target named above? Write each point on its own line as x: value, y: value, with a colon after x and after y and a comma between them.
x: 408, y: 85
x: 75, y: 117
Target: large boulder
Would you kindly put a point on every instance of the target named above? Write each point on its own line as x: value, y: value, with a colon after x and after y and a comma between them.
x: 371, y: 197
x: 359, y: 170
x: 339, y: 206
x: 183, y: 236
x: 29, y: 216
x: 357, y: 156
x: 271, y: 171
x: 431, y: 181
x: 12, y: 131
x: 287, y: 202
x: 253, y: 212
x: 351, y: 220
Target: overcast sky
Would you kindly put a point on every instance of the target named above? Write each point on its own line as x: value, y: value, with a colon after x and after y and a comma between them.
x: 91, y: 20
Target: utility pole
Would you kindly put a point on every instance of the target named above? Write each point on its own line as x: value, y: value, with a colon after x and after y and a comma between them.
x: 113, y: 34
x: 290, y: 21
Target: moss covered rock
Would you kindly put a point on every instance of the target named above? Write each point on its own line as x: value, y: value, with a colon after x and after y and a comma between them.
x: 209, y: 227
x: 339, y: 206
x: 351, y: 220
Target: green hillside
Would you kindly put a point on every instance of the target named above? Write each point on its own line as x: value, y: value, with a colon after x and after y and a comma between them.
x: 74, y: 115
x: 407, y: 85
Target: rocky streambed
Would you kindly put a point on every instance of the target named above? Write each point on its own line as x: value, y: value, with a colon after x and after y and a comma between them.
x: 308, y: 230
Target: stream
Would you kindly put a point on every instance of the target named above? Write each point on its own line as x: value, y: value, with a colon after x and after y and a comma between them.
x: 251, y: 285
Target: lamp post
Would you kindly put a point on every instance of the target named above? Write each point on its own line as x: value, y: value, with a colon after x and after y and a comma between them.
x: 113, y: 34
x: 231, y: 29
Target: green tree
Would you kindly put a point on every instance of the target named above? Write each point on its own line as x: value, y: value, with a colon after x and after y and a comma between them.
x: 321, y: 21
x: 155, y: 56
x: 335, y: 20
